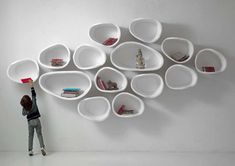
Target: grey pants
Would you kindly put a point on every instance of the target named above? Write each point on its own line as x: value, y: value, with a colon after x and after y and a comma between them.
x: 35, y: 124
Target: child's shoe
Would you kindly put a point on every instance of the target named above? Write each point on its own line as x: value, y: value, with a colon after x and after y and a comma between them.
x: 30, y: 153
x: 43, y: 151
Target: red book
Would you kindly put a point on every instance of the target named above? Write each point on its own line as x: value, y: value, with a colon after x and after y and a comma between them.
x: 26, y: 80
x: 208, y: 69
x: 121, y: 110
x: 99, y: 83
x: 110, y: 41
x: 104, y: 85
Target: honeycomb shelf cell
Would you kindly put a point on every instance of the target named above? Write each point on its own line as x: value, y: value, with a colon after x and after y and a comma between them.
x: 147, y: 85
x: 179, y: 77
x: 26, y: 68
x: 108, y: 73
x: 88, y: 57
x: 54, y: 82
x: 94, y: 108
x: 54, y: 52
x: 146, y: 30
x: 124, y: 57
x: 179, y: 50
x: 210, y: 58
x: 132, y: 103
x: 101, y: 32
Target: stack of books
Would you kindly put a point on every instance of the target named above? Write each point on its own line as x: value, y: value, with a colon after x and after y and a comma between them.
x: 70, y: 92
x: 208, y: 68
x: 57, y: 62
x: 178, y: 56
x: 110, y: 41
x: 26, y: 80
x: 122, y: 110
x: 110, y: 85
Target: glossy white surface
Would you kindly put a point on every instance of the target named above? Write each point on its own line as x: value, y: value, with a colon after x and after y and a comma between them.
x: 124, y: 57
x: 210, y: 57
x: 146, y: 29
x: 23, y: 69
x: 54, y: 82
x: 180, y: 77
x: 172, y: 45
x: 118, y: 158
x: 130, y: 101
x: 88, y: 57
x: 109, y: 73
x: 54, y: 51
x: 94, y: 108
x: 147, y: 85
x: 102, y: 31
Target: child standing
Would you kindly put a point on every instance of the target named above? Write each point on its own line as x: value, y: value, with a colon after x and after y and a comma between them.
x: 30, y: 109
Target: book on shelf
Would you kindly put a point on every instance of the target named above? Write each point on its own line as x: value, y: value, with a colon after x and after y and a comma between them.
x: 69, y: 95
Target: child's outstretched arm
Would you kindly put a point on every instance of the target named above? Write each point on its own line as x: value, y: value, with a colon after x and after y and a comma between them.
x: 32, y: 90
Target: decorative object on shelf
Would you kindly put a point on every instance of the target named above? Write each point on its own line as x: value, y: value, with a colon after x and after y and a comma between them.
x: 26, y: 80
x: 88, y: 57
x: 94, y: 108
x: 146, y: 30
x: 23, y: 69
x: 53, y: 82
x: 140, y: 60
x: 56, y: 51
x: 112, y: 85
x: 106, y: 34
x: 124, y: 55
x: 108, y: 73
x: 110, y: 41
x: 179, y: 77
x: 71, y: 92
x: 133, y: 105
x: 57, y: 62
x: 122, y: 111
x: 210, y: 61
x: 147, y: 85
x: 179, y: 50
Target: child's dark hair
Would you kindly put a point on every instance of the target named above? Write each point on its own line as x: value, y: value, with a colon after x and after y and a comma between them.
x: 26, y: 102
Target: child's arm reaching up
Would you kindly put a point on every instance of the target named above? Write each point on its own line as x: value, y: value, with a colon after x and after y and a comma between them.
x: 32, y: 90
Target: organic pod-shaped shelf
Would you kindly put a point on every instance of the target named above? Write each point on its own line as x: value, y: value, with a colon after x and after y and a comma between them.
x: 130, y: 101
x: 180, y: 77
x: 88, y: 57
x: 102, y: 31
x: 210, y: 57
x: 23, y: 69
x: 94, y: 108
x: 57, y: 51
x: 124, y: 57
x: 146, y: 30
x: 109, y: 73
x: 147, y: 85
x: 54, y: 83
x: 175, y: 45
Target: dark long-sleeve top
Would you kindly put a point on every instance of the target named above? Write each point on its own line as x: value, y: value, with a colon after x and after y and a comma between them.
x: 34, y: 112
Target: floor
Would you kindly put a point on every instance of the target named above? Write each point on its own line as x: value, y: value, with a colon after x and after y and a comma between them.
x: 117, y: 159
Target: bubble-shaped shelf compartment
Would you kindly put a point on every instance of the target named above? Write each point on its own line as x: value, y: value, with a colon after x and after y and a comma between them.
x: 55, y: 51
x: 212, y: 58
x: 177, y: 48
x: 109, y: 73
x: 124, y: 57
x: 179, y: 77
x: 100, y: 32
x: 88, y: 57
x: 130, y: 101
x: 146, y: 30
x: 54, y: 82
x: 23, y: 69
x: 94, y: 108
x: 147, y: 85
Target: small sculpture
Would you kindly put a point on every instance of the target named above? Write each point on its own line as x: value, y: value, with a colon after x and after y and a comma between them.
x: 112, y: 85
x: 140, y: 64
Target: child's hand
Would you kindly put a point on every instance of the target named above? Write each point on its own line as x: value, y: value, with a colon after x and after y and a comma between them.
x: 30, y: 83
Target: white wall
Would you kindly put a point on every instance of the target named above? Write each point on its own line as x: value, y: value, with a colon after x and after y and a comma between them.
x: 197, y: 119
